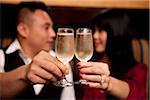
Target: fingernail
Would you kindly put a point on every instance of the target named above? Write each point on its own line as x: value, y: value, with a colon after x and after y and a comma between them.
x: 79, y: 67
x: 78, y: 64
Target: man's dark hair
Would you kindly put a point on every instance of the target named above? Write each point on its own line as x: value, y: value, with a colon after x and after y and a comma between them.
x: 30, y: 7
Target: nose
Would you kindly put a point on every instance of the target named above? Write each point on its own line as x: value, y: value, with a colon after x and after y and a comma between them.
x: 52, y: 33
x: 96, y: 35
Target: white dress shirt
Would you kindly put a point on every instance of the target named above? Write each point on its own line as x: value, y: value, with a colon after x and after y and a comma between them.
x: 67, y: 93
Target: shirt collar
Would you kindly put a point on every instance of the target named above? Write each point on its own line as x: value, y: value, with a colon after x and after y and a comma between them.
x: 15, y: 45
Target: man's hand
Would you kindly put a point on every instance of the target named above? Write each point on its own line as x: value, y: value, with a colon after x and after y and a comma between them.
x: 45, y: 68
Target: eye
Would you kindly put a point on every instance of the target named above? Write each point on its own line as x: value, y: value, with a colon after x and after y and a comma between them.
x: 46, y: 27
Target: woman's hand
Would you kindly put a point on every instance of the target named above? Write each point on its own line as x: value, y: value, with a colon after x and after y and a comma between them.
x: 96, y: 74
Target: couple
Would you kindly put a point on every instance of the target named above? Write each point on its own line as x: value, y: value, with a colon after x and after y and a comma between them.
x: 29, y: 61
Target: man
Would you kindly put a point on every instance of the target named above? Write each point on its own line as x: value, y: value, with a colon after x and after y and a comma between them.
x: 27, y: 61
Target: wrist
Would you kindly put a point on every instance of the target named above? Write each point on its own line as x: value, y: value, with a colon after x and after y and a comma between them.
x: 24, y: 74
x: 109, y: 87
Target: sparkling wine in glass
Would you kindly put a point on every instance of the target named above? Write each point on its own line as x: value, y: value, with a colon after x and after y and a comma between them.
x: 83, y: 46
x: 64, y: 48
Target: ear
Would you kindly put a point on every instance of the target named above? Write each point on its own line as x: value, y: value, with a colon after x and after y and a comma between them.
x: 23, y: 29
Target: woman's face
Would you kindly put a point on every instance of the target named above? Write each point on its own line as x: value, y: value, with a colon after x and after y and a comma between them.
x: 100, y: 39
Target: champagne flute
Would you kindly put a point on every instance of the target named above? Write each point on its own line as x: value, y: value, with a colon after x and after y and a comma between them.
x: 64, y: 48
x: 83, y: 46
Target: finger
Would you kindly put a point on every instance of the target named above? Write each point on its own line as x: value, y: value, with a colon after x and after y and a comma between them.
x: 93, y: 68
x: 53, y: 60
x: 45, y: 74
x: 104, y: 79
x: 36, y: 79
x: 93, y: 78
x: 62, y: 67
x: 86, y: 64
x: 59, y: 64
x: 52, y: 68
x: 97, y: 85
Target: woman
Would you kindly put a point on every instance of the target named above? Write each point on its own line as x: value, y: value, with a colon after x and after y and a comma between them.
x: 115, y: 74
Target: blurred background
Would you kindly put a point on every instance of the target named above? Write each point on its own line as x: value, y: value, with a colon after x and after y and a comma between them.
x: 79, y: 13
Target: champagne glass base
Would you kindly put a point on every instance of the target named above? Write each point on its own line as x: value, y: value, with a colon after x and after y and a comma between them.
x: 83, y: 82
x: 63, y: 83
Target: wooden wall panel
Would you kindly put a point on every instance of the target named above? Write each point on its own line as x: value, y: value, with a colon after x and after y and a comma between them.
x: 131, y: 4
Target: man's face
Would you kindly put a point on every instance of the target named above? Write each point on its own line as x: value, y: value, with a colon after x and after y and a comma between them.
x: 41, y: 33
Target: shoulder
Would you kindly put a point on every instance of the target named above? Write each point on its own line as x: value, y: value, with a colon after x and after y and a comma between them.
x: 139, y: 67
x: 138, y: 70
x: 138, y: 88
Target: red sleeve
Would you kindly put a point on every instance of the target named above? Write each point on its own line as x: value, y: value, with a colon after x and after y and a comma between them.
x: 137, y: 80
x: 93, y: 94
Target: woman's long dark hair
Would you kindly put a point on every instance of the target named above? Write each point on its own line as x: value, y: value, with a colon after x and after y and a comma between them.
x: 102, y: 24
x: 118, y: 47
